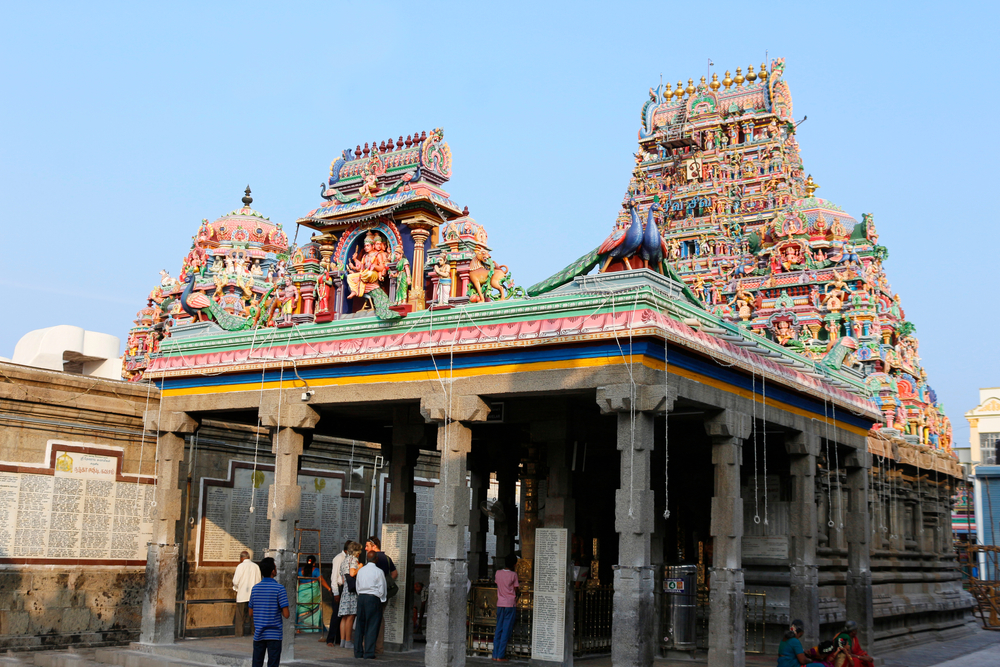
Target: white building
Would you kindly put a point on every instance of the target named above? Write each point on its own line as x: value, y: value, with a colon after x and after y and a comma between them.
x: 984, y: 427
x: 70, y: 349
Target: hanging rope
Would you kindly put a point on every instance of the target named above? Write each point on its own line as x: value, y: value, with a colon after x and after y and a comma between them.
x: 277, y: 438
x: 756, y: 485
x: 256, y: 444
x: 763, y: 416
x: 666, y: 428
x: 829, y: 480
x: 156, y: 454
x: 142, y: 440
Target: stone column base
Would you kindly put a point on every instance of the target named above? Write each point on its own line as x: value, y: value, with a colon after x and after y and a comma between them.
x: 633, y: 627
x: 804, y: 601
x: 727, y: 619
x: 159, y: 604
x: 446, y: 613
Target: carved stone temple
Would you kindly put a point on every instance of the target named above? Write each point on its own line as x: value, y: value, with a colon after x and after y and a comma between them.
x: 726, y: 383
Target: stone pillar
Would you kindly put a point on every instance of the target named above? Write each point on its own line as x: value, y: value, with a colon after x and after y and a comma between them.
x: 804, y: 574
x: 506, y: 530
x: 446, y: 606
x: 633, y: 629
x: 417, y: 296
x: 479, y: 523
x: 159, y: 602
x: 403, y: 509
x: 290, y: 424
x: 858, y: 531
x: 560, y: 512
x: 727, y: 614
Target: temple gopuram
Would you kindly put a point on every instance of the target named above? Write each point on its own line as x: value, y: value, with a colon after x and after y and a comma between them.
x: 712, y: 423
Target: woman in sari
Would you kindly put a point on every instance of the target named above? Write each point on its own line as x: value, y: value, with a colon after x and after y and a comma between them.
x: 790, y: 653
x: 852, y: 655
x: 309, y: 598
x: 349, y: 595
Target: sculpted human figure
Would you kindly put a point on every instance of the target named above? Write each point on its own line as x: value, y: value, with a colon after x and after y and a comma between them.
x: 401, y: 272
x: 443, y: 272
x: 289, y: 301
x: 366, y: 272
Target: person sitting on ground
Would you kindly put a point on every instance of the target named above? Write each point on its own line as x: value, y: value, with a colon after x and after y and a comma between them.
x: 848, y: 640
x: 790, y: 653
x: 825, y: 653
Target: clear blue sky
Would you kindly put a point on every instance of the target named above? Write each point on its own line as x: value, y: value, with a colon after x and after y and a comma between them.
x: 122, y: 126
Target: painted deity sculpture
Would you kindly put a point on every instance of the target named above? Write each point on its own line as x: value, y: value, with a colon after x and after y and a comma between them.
x: 401, y: 272
x: 367, y: 271
x: 443, y: 273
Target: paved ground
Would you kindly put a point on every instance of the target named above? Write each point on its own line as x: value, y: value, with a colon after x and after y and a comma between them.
x: 976, y: 650
x: 980, y: 649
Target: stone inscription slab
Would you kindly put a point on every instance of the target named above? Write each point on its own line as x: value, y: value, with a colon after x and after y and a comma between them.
x: 548, y: 624
x: 229, y: 526
x: 395, y: 538
x: 770, y: 546
x: 80, y: 508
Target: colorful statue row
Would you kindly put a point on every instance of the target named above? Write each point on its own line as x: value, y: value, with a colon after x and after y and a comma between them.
x: 382, y: 206
x: 730, y: 212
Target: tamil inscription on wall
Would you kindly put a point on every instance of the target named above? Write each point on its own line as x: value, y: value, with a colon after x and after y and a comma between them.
x: 548, y: 619
x: 76, y: 506
x: 395, y: 539
x: 234, y: 513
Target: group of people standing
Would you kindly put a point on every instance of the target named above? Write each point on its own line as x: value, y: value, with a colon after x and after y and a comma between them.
x: 844, y: 650
x: 362, y: 580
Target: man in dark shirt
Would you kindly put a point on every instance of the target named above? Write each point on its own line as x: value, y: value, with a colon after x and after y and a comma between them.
x: 384, y: 563
x: 268, y: 605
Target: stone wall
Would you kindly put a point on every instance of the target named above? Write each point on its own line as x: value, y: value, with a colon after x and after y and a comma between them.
x: 46, y: 607
x: 60, y: 604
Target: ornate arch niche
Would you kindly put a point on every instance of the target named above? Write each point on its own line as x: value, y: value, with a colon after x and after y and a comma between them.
x: 387, y: 228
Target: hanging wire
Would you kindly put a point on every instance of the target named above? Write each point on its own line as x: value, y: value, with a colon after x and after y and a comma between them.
x: 142, y: 440
x: 829, y: 480
x: 840, y: 489
x: 756, y: 486
x: 763, y: 416
x: 666, y: 427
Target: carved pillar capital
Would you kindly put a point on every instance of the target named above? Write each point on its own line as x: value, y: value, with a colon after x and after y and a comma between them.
x: 441, y: 408
x: 290, y: 413
x: 729, y: 425
x: 640, y: 397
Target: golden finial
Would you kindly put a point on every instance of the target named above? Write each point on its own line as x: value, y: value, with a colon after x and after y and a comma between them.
x: 763, y: 72
x: 690, y: 89
x: 702, y: 83
x: 679, y: 93
x: 728, y: 81
x: 751, y: 77
x: 667, y: 93
x: 715, y: 82
x: 811, y: 186
x: 739, y: 77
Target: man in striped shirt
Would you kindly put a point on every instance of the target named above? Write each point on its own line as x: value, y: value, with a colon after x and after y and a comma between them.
x: 268, y: 605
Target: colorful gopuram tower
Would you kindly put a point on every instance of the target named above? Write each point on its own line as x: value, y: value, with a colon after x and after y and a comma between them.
x: 719, y: 165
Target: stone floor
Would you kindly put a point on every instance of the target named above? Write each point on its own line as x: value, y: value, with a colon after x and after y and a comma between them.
x: 979, y: 649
